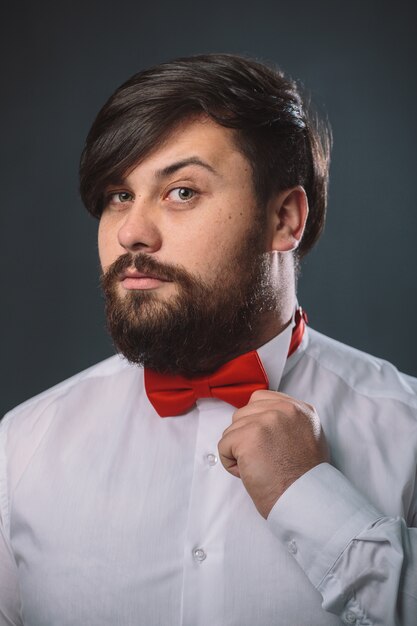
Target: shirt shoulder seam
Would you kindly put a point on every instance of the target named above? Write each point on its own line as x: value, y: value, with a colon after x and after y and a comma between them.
x: 410, y: 402
x: 62, y: 387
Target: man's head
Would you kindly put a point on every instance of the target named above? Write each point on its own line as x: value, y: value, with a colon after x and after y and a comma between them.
x: 284, y: 143
x: 197, y: 172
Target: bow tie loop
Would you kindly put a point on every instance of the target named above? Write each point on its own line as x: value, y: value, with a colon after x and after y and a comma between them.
x: 234, y: 382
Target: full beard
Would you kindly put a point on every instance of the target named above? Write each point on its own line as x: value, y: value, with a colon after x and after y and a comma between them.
x: 200, y: 327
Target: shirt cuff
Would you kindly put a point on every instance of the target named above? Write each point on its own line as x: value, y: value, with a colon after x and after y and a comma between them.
x: 318, y: 516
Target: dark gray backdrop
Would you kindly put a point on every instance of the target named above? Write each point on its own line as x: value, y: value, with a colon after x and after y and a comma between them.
x: 61, y: 60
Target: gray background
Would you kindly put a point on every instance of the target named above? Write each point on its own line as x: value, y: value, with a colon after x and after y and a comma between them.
x: 60, y: 61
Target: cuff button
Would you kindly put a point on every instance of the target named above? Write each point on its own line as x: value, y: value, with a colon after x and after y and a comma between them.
x: 349, y: 618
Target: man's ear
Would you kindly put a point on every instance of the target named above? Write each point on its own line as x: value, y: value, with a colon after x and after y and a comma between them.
x: 287, y: 211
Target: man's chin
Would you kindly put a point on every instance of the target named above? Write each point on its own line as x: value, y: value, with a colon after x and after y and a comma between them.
x: 142, y: 307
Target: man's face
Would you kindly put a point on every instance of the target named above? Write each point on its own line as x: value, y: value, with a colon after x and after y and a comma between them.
x: 183, y: 246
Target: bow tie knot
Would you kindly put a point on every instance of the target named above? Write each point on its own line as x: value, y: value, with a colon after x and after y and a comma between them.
x: 201, y: 387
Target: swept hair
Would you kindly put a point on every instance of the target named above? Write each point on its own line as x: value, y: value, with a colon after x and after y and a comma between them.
x: 285, y: 143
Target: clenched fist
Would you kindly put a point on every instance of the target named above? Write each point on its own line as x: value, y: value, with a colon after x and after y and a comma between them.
x: 272, y: 441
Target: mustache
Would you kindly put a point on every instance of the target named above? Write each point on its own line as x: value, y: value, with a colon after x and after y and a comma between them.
x: 148, y: 265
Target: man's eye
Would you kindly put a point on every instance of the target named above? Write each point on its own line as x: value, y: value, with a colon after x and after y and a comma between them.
x: 120, y: 196
x: 182, y: 194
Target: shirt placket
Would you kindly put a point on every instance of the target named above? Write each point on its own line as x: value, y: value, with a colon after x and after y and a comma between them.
x: 203, y: 583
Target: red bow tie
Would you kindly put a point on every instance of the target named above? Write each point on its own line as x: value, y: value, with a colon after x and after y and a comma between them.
x: 234, y: 382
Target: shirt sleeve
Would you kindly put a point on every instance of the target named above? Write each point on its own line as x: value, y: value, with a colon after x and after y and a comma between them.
x: 9, y: 588
x: 363, y: 563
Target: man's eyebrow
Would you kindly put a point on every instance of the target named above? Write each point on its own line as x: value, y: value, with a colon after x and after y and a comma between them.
x: 193, y: 160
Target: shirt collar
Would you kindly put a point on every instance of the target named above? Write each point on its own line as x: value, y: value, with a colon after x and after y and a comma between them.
x: 273, y: 354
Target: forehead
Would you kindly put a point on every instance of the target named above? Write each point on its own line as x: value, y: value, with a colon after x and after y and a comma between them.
x: 196, y: 139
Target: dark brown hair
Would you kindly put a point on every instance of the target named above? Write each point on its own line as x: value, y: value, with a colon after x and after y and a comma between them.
x: 285, y: 144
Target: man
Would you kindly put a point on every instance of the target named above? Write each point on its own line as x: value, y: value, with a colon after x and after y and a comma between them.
x: 236, y: 468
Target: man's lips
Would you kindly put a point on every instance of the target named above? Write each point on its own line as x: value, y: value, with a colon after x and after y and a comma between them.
x: 140, y: 280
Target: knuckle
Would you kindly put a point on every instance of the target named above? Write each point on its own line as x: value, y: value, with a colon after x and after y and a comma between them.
x: 225, y: 437
x: 260, y: 394
x: 270, y: 417
x: 265, y: 427
x: 225, y: 432
x: 310, y: 407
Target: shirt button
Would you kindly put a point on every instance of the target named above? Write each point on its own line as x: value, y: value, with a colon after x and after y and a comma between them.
x: 211, y: 460
x: 292, y: 547
x: 349, y: 617
x: 199, y: 554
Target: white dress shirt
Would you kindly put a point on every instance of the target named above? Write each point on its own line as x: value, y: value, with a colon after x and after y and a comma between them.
x: 113, y: 516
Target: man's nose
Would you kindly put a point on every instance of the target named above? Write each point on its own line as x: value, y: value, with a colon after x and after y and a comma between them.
x: 139, y: 230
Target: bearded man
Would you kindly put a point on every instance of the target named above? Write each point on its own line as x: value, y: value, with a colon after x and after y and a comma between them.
x: 234, y: 468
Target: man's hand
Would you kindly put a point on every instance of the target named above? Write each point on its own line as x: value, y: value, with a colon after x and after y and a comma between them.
x: 272, y: 441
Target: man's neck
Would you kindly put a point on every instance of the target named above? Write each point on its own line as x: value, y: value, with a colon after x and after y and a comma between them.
x: 272, y: 323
